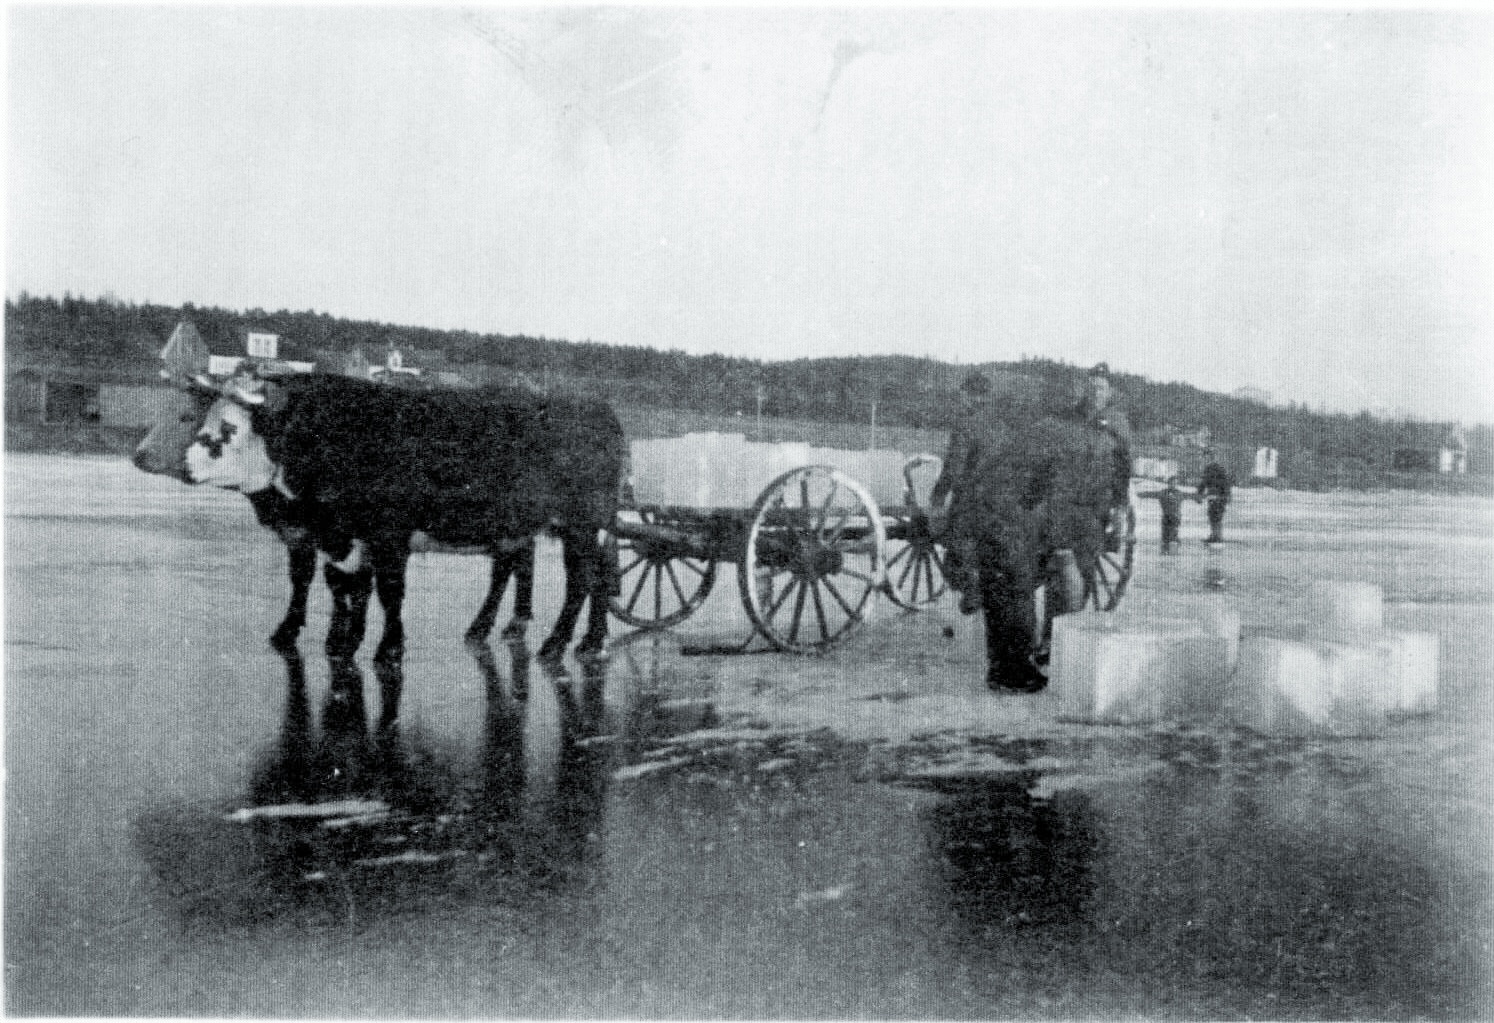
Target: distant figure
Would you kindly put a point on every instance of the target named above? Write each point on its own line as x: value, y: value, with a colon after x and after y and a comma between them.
x: 1171, y: 499
x: 1215, y: 487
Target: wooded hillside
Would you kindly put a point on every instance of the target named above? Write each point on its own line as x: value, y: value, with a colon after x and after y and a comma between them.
x: 1318, y: 449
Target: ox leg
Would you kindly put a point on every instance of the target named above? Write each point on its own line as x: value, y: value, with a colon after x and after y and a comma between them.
x: 504, y: 559
x: 350, y: 591
x: 389, y: 561
x: 302, y: 552
x: 579, y: 552
x: 523, y: 592
x: 604, y: 584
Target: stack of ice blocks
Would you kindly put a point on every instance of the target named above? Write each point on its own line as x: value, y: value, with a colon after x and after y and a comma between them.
x: 1346, y: 677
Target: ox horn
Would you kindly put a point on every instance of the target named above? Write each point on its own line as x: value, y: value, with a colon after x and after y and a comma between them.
x: 246, y: 387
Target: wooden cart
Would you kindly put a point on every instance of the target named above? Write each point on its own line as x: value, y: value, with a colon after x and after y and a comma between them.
x: 811, y: 553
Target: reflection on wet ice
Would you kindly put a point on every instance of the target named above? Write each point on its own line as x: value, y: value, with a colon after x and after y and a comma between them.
x: 1245, y: 872
x: 340, y: 822
x: 1009, y: 859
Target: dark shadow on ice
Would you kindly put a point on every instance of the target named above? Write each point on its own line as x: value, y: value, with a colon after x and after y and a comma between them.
x: 1007, y: 859
x: 340, y: 825
x: 1247, y: 891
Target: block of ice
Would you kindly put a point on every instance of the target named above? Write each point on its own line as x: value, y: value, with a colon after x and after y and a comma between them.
x: 725, y: 470
x: 1344, y: 612
x: 1287, y: 687
x: 1111, y: 670
x: 1412, y: 667
x: 1223, y: 621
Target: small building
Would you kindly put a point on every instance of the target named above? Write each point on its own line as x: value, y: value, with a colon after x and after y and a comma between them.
x: 403, y: 367
x: 82, y: 397
x: 1198, y: 437
x: 1154, y: 467
x: 1428, y: 448
x: 1452, y: 457
x: 187, y: 352
x: 1265, y: 463
x: 394, y: 367
x: 270, y: 353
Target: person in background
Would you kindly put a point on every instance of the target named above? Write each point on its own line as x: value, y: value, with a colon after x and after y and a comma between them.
x: 1215, y: 487
x: 1171, y: 499
x: 975, y: 419
x: 1099, y: 411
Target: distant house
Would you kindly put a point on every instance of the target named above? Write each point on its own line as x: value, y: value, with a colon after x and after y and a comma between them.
x: 270, y: 353
x: 400, y: 366
x: 1154, y: 466
x: 136, y: 395
x: 1432, y: 449
x: 394, y: 367
x: 1161, y: 461
x: 1198, y: 437
x: 55, y: 396
x: 1265, y: 463
x: 1452, y: 456
x: 1168, y: 435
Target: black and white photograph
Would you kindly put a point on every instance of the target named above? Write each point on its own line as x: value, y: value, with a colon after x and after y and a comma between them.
x: 881, y: 511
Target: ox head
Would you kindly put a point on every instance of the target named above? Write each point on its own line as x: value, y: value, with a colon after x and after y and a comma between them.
x: 205, y: 434
x: 227, y: 451
x: 179, y: 418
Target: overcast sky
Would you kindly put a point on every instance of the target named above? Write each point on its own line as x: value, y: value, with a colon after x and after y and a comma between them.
x: 1297, y: 201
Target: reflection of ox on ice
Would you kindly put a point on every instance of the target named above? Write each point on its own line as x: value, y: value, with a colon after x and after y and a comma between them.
x: 356, y: 470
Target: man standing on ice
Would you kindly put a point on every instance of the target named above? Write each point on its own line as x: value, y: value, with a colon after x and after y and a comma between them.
x: 1040, y: 479
x: 1215, y: 487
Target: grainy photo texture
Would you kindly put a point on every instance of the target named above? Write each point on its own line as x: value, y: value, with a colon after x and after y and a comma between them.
x: 762, y: 513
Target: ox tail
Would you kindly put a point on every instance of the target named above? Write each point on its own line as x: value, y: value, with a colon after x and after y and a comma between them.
x: 625, y: 496
x: 611, y: 567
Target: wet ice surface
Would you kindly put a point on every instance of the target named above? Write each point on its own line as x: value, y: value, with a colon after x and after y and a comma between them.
x: 197, y: 826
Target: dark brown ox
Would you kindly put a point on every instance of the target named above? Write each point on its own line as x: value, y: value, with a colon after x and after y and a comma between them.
x: 373, y: 465
x: 163, y: 452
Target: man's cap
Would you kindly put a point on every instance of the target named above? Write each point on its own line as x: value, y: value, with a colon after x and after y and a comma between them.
x: 1101, y: 370
x: 976, y: 383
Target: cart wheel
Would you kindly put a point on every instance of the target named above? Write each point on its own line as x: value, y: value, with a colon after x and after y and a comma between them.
x: 659, y: 586
x: 1112, y: 574
x: 813, y: 558
x: 915, y: 574
x: 1117, y: 561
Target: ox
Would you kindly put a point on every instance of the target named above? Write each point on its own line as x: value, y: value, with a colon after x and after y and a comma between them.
x: 369, y: 466
x: 163, y: 452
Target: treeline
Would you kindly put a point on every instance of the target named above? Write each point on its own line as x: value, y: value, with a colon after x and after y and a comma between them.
x: 1317, y: 448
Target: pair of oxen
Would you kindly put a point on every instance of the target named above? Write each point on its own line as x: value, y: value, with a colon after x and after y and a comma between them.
x: 355, y: 470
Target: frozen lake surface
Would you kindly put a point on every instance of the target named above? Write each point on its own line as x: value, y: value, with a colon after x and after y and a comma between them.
x: 197, y: 826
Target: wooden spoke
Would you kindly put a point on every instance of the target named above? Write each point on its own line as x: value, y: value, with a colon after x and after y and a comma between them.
x: 831, y: 543
x: 649, y: 603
